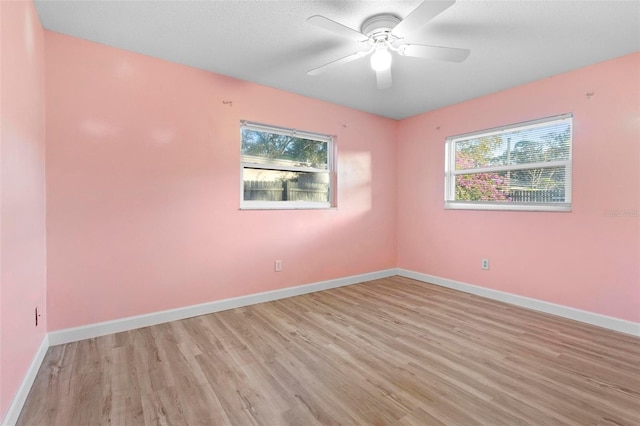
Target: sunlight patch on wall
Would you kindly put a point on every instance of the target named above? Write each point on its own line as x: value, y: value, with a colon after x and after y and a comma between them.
x: 124, y: 70
x: 354, y: 181
x: 99, y: 129
x: 162, y: 136
x: 28, y: 34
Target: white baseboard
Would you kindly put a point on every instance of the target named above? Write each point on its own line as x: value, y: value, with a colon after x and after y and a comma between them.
x: 100, y: 329
x: 616, y: 324
x: 11, y: 417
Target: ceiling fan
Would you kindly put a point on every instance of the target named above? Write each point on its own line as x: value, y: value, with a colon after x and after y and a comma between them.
x: 384, y: 34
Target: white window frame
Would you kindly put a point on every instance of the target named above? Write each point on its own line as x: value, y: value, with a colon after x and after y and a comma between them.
x: 451, y: 172
x: 264, y: 163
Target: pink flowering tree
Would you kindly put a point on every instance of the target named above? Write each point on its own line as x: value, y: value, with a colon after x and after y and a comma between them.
x: 478, y: 186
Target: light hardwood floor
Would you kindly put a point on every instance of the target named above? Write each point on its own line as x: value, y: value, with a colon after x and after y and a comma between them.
x: 392, y: 351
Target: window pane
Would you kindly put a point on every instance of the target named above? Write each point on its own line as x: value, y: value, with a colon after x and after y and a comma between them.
x: 479, y: 152
x: 531, y: 145
x: 277, y: 185
x: 272, y: 148
x: 540, y: 185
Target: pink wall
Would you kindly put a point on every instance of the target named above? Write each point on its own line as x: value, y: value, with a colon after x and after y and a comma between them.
x: 583, y: 259
x: 143, y: 169
x: 22, y: 213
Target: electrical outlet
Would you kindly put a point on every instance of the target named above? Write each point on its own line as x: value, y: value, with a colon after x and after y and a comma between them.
x: 485, y: 264
x: 277, y: 265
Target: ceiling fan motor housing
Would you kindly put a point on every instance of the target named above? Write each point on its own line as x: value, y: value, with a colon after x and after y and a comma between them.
x: 379, y: 25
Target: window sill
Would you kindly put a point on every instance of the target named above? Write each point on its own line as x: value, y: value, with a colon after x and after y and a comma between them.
x: 284, y: 205
x: 556, y: 207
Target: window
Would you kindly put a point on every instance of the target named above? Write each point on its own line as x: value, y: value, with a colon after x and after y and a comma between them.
x: 285, y: 168
x: 525, y: 166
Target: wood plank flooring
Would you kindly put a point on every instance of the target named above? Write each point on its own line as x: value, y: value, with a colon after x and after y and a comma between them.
x: 387, y: 352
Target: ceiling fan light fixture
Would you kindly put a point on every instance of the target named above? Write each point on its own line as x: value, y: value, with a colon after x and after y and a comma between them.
x: 385, y: 33
x: 381, y: 59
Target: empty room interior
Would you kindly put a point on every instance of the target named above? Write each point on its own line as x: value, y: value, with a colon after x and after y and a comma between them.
x: 320, y: 212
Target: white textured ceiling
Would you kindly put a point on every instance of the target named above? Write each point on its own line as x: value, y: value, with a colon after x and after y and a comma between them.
x: 270, y: 42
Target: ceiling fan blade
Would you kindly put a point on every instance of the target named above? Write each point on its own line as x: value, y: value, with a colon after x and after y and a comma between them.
x: 384, y: 78
x: 450, y: 54
x: 422, y: 14
x: 337, y: 62
x: 336, y: 28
